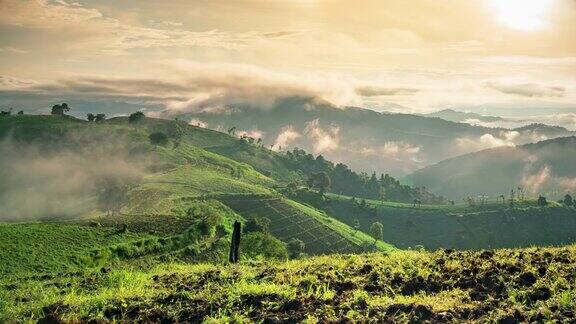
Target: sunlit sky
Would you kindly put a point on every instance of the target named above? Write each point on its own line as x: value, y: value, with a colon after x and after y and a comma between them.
x: 421, y: 54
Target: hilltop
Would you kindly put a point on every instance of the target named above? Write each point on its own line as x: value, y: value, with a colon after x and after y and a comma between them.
x: 463, y: 117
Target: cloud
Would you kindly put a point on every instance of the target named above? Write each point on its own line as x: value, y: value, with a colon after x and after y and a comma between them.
x: 534, y: 182
x: 486, y: 141
x: 375, y: 91
x: 253, y: 133
x: 286, y: 136
x: 44, y: 180
x: 14, y: 50
x: 397, y: 150
x: 192, y: 86
x: 197, y: 122
x: 324, y: 140
x: 528, y: 89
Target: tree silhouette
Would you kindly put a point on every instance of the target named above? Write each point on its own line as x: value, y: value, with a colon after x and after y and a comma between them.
x: 568, y: 201
x: 100, y: 117
x: 542, y: 201
x: 59, y: 110
x: 90, y: 117
x: 136, y: 117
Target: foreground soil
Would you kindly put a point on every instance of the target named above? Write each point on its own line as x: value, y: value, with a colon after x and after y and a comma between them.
x: 510, y: 286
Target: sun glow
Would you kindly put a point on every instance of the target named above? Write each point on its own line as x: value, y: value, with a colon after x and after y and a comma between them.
x: 526, y: 15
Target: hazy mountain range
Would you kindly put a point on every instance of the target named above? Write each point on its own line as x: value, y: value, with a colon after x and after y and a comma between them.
x: 365, y: 139
x: 546, y: 167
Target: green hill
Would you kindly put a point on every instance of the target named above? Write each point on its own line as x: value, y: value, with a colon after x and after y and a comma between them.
x: 546, y: 168
x: 162, y: 196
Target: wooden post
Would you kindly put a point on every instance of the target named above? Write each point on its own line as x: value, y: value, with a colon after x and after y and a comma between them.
x: 235, y: 244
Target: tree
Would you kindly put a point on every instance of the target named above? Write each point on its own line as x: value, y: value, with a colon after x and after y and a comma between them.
x: 21, y: 112
x: 356, y: 225
x: 100, y: 117
x: 295, y: 248
x: 542, y: 201
x: 60, y: 109
x: 258, y: 224
x: 320, y: 181
x: 90, y: 117
x: 377, y: 231
x: 568, y: 201
x: 158, y: 138
x: 136, y: 117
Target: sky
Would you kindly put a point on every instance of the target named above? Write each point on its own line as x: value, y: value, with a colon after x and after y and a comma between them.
x: 503, y: 57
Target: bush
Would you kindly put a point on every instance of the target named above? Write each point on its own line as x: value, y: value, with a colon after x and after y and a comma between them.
x: 296, y: 248
x: 136, y: 117
x: 158, y: 138
x: 258, y: 224
x: 257, y: 245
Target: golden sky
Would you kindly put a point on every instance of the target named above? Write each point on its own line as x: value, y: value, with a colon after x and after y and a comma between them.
x: 420, y: 54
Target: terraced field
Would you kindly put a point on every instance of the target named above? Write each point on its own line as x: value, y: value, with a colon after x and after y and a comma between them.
x: 289, y: 219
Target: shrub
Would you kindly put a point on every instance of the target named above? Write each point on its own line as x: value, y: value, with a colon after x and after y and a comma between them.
x: 296, y: 248
x: 158, y: 138
x: 136, y: 117
x: 258, y: 245
x: 258, y: 224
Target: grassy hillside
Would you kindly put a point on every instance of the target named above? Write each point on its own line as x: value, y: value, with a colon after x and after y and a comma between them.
x: 527, y: 285
x: 161, y: 193
x: 41, y: 248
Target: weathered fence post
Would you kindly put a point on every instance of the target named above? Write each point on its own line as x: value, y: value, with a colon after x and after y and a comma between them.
x: 235, y: 244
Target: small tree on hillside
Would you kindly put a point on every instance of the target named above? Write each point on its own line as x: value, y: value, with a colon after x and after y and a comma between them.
x: 136, y: 117
x: 320, y: 181
x: 60, y: 109
x: 90, y: 117
x: 542, y: 201
x: 158, y: 138
x: 356, y: 226
x: 258, y: 224
x: 568, y: 201
x: 377, y: 231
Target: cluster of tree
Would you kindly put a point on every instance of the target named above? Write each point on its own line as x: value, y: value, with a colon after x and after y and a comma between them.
x: 136, y: 117
x: 95, y: 118
x: 344, y: 181
x: 9, y: 112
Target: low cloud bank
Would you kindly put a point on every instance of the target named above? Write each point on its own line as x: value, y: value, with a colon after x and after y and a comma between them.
x: 40, y: 181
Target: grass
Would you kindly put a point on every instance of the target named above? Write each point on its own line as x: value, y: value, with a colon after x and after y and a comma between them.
x: 533, y: 284
x: 40, y: 248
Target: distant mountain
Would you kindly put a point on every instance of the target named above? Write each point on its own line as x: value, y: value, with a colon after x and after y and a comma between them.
x: 459, y: 116
x: 362, y: 138
x: 547, y: 167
